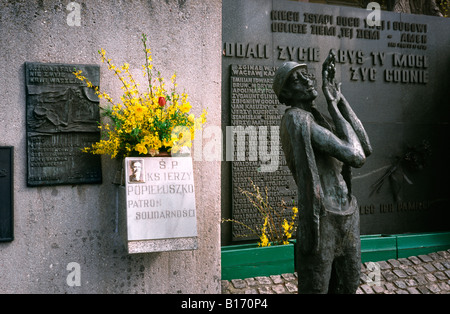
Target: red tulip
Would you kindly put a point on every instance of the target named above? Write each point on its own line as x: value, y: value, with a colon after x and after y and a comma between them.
x: 162, y: 101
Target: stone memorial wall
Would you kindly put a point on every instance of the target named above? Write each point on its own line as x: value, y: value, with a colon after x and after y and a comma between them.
x: 66, y: 231
x: 395, y: 76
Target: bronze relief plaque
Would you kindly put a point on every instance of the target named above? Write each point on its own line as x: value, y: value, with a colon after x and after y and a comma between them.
x: 62, y: 119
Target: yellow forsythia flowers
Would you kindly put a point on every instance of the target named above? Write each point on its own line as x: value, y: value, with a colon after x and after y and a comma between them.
x: 144, y: 123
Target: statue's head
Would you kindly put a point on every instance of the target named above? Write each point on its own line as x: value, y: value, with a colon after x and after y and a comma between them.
x: 292, y: 83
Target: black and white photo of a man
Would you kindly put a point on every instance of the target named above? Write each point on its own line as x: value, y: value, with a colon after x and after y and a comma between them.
x: 137, y: 171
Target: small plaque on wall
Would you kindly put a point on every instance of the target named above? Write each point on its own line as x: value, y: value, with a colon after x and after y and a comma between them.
x: 6, y: 194
x: 160, y: 204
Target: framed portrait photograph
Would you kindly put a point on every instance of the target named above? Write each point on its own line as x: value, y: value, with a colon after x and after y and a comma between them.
x: 136, y: 171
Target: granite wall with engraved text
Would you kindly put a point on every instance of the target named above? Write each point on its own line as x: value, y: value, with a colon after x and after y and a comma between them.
x: 394, y: 75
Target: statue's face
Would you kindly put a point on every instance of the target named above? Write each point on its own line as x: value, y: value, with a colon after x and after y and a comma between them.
x: 301, y: 86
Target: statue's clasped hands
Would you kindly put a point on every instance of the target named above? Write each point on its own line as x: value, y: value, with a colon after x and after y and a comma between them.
x: 331, y: 89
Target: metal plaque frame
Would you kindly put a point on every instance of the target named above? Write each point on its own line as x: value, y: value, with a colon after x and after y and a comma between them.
x: 6, y: 194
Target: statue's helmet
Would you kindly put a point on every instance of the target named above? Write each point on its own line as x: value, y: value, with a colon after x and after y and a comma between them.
x: 283, y: 74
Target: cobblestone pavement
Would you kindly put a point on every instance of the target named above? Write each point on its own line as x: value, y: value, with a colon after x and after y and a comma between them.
x: 422, y: 274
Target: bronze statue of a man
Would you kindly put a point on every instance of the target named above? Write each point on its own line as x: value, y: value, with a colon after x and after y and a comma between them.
x: 320, y: 155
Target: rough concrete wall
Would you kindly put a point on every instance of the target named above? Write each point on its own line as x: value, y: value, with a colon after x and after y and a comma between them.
x: 55, y: 226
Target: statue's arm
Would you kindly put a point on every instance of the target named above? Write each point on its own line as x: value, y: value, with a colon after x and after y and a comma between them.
x: 350, y: 116
x: 348, y: 150
x: 350, y: 144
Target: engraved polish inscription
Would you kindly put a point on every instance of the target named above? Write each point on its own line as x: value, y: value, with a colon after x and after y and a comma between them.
x: 255, y: 107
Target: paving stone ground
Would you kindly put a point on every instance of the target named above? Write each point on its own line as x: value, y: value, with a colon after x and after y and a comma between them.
x: 422, y: 274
